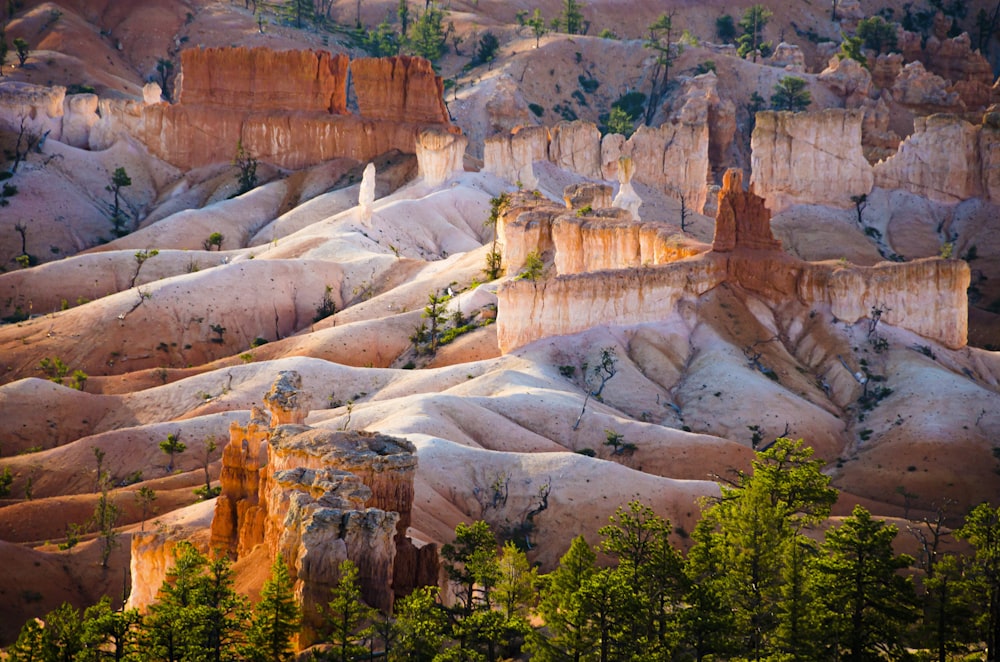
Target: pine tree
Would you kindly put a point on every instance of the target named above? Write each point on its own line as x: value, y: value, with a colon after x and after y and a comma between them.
x: 109, y: 634
x: 563, y: 609
x: 172, y: 629
x: 661, y: 41
x: 28, y: 647
x: 420, y: 627
x: 866, y: 603
x: 62, y: 635
x: 752, y: 23
x: 427, y: 37
x: 571, y: 17
x: 275, y: 619
x: 790, y: 94
x: 348, y: 617
x: 223, y: 613
x: 982, y: 530
x: 173, y: 446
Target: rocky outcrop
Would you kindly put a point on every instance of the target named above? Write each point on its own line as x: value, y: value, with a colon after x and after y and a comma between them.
x: 673, y: 157
x: 742, y: 221
x: 287, y: 108
x: 40, y: 108
x: 318, y: 497
x: 594, y: 240
x: 848, y: 79
x: 627, y: 198
x: 809, y: 158
x: 940, y: 161
x: 587, y: 289
x: 399, y: 89
x: 511, y: 156
x: 576, y: 146
x: 440, y: 155
x: 264, y: 80
x: 788, y: 57
x: 967, y: 71
x: 923, y: 91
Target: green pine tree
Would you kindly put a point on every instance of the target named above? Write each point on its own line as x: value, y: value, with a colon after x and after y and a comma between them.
x: 570, y: 632
x: 866, y: 604
x: 275, y: 618
x: 982, y: 530
x: 348, y: 618
x: 420, y: 628
x: 752, y: 25
x: 110, y: 634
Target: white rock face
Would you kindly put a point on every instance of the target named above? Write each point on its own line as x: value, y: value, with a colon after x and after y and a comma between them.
x: 439, y: 155
x: 809, y: 158
x: 576, y: 146
x: 511, y: 156
x: 152, y: 93
x: 40, y: 107
x: 366, y: 194
x: 627, y: 198
x: 79, y: 117
x: 940, y: 160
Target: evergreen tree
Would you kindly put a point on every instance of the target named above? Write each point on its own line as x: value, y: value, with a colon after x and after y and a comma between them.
x: 661, y: 41
x: 982, y: 530
x: 28, y: 647
x: 877, y: 34
x: 640, y: 540
x: 348, y: 617
x: 172, y: 445
x: 571, y: 17
x: 866, y: 603
x: 752, y: 24
x: 537, y: 25
x: 420, y: 627
x: 950, y: 608
x: 275, y: 618
x: 747, y: 554
x: 471, y: 561
x: 171, y: 629
x: 62, y: 636
x: 223, y: 613
x: 790, y: 93
x: 570, y: 633
x: 109, y: 634
x: 428, y: 37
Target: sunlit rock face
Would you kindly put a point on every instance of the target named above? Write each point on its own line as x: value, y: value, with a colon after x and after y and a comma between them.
x: 809, y: 158
x: 288, y: 108
x: 603, y: 273
x: 318, y: 497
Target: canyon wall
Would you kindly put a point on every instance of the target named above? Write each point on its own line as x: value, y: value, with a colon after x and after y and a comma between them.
x: 318, y: 497
x: 809, y: 158
x: 288, y: 108
x: 927, y: 297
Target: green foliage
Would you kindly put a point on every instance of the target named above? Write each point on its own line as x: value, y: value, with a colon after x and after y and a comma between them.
x: 537, y: 25
x: 494, y: 259
x: 383, y: 41
x: 421, y: 627
x: 21, y: 48
x: 661, y: 42
x: 275, y: 619
x: 536, y: 109
x: 877, y: 34
x: 172, y: 446
x: 790, y: 94
x: 347, y: 617
x: 619, y: 122
x: 6, y: 478
x: 119, y: 180
x: 725, y: 28
x: 752, y: 25
x: 570, y: 19
x: 982, y: 530
x: 486, y: 49
x: 326, y: 306
x: 112, y: 632
x: 471, y: 563
x: 704, y: 67
x: 427, y: 38
x: 866, y: 603
x: 850, y: 47
x: 214, y: 239
x: 533, y: 268
x: 246, y: 163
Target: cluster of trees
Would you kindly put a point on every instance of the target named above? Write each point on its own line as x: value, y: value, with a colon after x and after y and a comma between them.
x: 760, y: 582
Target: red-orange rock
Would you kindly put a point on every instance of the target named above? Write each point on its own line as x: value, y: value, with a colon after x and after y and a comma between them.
x: 400, y: 89
x: 263, y: 79
x: 742, y: 220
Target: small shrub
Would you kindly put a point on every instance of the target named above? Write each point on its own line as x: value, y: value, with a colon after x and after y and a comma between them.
x: 214, y: 239
x: 536, y: 109
x: 567, y: 371
x: 326, y: 306
x: 533, y: 267
x: 589, y: 452
x: 258, y: 341
x: 588, y: 85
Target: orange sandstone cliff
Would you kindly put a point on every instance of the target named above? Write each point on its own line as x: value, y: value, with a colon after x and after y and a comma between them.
x: 318, y: 497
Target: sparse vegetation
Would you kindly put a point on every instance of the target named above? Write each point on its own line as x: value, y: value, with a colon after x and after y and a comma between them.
x: 246, y: 178
x: 119, y: 219
x: 790, y: 94
x: 215, y: 239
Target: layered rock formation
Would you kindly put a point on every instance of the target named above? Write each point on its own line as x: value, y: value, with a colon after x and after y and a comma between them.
x: 318, y: 497
x: 927, y: 297
x: 288, y: 108
x: 672, y: 157
x: 264, y: 80
x: 810, y: 158
x: 440, y: 155
x: 946, y: 159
